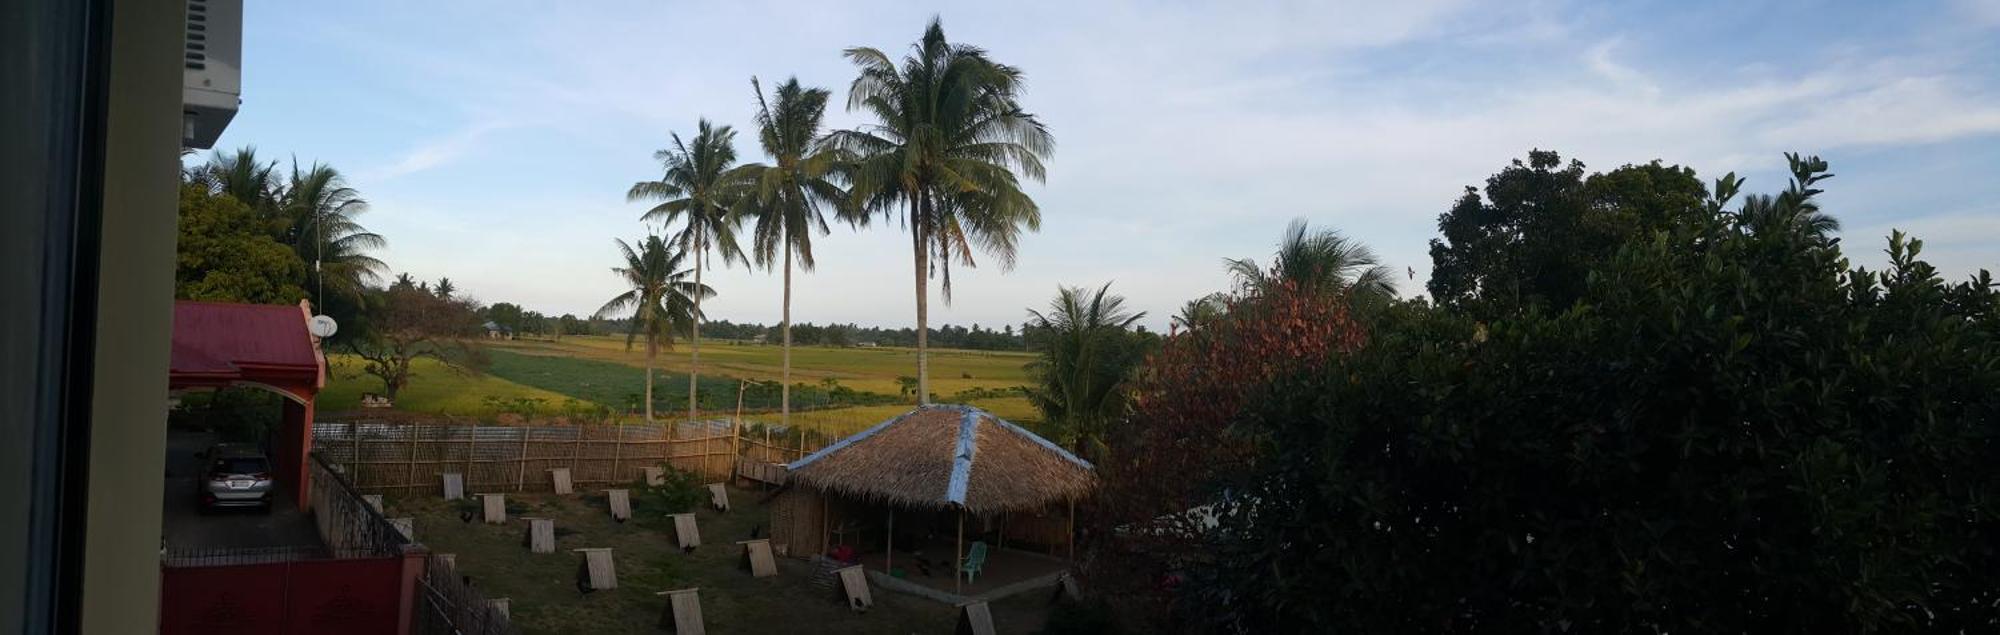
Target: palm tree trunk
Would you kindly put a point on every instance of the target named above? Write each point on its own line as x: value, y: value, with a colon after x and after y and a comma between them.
x: 785, y: 391
x: 920, y: 211
x: 694, y: 367
x: 652, y: 350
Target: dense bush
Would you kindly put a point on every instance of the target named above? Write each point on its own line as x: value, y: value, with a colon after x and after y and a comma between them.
x: 679, y: 492
x: 1731, y: 430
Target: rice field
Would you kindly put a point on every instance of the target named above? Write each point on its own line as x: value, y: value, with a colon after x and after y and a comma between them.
x: 555, y: 376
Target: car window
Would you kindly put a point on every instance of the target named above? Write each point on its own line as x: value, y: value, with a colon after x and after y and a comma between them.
x: 238, y: 465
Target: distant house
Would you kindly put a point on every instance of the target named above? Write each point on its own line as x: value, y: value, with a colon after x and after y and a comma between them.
x: 757, y: 339
x: 494, y: 331
x: 864, y: 345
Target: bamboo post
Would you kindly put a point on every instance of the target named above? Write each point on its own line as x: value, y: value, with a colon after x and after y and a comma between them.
x: 521, y: 462
x: 410, y: 471
x: 1070, y: 535
x: 617, y: 453
x: 957, y: 576
x: 576, y: 447
x: 471, y: 452
x: 736, y: 430
x: 825, y: 511
x: 889, y: 553
x: 354, y: 436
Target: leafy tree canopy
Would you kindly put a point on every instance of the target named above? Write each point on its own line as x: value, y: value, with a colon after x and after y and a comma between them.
x: 227, y: 254
x: 1730, y: 429
x: 1532, y: 239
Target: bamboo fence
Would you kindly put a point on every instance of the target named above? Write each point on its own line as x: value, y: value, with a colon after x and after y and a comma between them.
x: 408, y: 458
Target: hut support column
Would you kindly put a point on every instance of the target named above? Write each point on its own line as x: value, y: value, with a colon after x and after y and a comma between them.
x: 889, y: 557
x: 1070, y: 534
x: 958, y: 576
x: 825, y: 510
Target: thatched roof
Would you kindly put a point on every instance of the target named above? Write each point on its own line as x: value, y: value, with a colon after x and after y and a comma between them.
x: 945, y: 457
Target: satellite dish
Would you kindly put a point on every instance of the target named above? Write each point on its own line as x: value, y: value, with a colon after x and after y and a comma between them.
x: 322, y: 326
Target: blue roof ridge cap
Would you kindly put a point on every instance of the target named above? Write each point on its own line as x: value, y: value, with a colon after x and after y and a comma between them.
x: 963, y: 456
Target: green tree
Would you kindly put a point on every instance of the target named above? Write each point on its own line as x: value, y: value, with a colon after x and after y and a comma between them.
x: 659, y: 300
x: 700, y: 185
x: 787, y: 198
x: 407, y: 324
x: 1730, y: 430
x: 947, y: 140
x: 1086, y: 356
x: 1319, y: 262
x: 226, y: 254
x: 1541, y: 227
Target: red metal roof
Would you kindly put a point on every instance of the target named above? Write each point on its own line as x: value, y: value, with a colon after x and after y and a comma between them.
x: 219, y: 342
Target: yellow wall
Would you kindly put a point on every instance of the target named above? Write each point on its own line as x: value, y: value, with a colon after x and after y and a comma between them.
x: 121, y: 584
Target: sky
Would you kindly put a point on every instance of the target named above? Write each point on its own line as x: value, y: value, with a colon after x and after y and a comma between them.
x: 495, y: 140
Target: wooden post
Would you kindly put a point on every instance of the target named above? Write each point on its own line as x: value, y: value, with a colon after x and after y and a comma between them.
x: 576, y: 448
x: 825, y: 512
x: 957, y: 576
x: 521, y: 475
x: 889, y: 554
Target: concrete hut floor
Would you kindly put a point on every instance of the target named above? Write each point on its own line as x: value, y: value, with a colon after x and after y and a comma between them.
x: 542, y: 587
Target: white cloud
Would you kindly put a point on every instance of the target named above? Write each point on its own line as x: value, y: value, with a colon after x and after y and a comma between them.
x: 435, y: 152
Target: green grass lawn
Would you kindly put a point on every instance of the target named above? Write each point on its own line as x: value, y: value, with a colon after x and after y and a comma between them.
x: 544, y: 598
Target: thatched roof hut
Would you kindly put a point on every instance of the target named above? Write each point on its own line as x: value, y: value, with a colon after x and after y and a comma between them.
x: 944, y: 457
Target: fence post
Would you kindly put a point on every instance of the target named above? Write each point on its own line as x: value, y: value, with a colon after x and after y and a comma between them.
x: 354, y: 438
x: 521, y: 462
x: 576, y: 449
x: 617, y: 453
x: 410, y: 474
x: 471, y: 451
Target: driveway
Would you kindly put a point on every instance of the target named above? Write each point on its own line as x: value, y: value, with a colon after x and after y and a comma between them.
x: 185, y: 528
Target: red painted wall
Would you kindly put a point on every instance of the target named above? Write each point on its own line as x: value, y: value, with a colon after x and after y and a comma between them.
x: 295, y: 598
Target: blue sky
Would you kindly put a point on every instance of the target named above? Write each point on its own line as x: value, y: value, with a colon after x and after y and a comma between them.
x: 495, y: 140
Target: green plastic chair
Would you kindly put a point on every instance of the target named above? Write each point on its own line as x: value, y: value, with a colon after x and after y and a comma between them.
x: 975, y: 561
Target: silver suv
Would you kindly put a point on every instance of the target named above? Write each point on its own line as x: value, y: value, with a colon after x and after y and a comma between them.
x: 236, y: 475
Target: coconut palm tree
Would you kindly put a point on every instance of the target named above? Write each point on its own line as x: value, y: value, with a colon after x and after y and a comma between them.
x: 788, y: 197
x: 1320, y: 261
x: 319, y: 208
x: 699, y: 184
x: 659, y: 300
x: 1085, y: 358
x: 241, y: 175
x: 947, y: 140
x: 1202, y: 311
